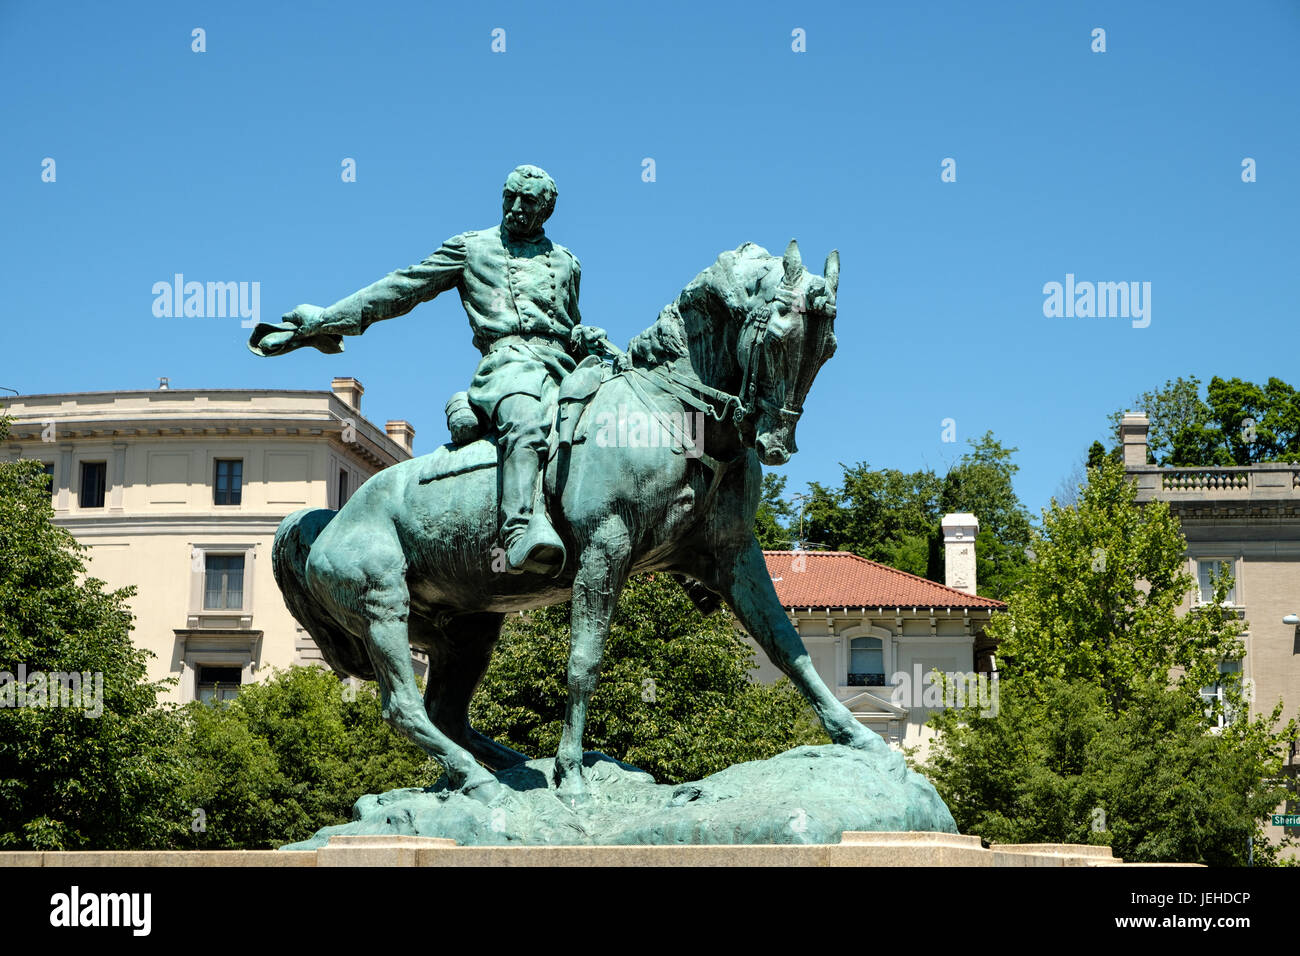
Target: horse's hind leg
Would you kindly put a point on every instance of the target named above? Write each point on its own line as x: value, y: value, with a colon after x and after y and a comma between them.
x: 463, y: 651
x: 386, y: 609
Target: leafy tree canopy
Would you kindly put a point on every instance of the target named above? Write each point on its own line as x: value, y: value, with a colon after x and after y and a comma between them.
x: 1236, y: 423
x: 100, y: 775
x: 1102, y: 733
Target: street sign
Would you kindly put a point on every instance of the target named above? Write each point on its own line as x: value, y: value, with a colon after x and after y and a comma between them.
x: 1286, y: 819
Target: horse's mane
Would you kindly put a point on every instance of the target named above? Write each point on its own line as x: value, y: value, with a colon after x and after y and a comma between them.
x: 719, y: 299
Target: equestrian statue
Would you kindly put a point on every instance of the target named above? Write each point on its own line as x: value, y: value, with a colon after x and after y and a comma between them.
x: 532, y: 504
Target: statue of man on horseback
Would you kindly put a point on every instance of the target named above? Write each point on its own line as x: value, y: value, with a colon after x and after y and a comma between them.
x: 407, y: 561
x: 520, y: 291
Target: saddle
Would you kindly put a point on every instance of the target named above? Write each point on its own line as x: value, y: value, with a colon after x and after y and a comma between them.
x: 473, y: 446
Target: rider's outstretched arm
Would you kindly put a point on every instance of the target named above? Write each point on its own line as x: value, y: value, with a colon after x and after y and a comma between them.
x: 396, y: 294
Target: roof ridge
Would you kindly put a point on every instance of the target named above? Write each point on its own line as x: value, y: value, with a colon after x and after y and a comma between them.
x: 987, y: 601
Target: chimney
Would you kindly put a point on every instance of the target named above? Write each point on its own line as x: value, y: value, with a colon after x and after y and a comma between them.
x: 402, y: 432
x: 348, y: 391
x: 959, y: 531
x: 1133, y: 436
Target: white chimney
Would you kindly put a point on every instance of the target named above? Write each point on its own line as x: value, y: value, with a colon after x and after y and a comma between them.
x: 959, y: 531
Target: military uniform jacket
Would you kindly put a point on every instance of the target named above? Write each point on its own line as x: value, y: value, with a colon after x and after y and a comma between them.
x: 507, y: 286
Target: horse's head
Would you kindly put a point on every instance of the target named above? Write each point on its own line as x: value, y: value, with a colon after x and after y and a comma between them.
x: 755, y: 328
x: 782, y: 352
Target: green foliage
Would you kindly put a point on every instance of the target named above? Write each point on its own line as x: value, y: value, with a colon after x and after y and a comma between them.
x: 288, y: 756
x: 893, y: 516
x: 70, y: 780
x: 772, y: 522
x: 1100, y: 602
x: 674, y: 697
x: 1237, y: 423
x: 980, y: 483
x: 886, y: 515
x: 1058, y: 765
x: 1100, y: 705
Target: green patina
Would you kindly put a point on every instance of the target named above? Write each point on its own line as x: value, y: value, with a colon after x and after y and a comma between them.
x: 552, y: 504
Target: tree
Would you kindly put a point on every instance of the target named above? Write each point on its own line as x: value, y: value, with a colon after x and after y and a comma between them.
x: 288, y: 756
x: 1100, y: 705
x: 771, y: 523
x: 1237, y: 423
x: 1172, y: 411
x: 101, y: 769
x: 1100, y: 602
x: 886, y: 515
x: 675, y: 696
x: 1057, y: 765
x: 981, y: 483
x: 894, y: 516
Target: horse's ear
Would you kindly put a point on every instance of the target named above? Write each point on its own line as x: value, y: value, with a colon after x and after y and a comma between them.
x: 831, y: 271
x: 793, y: 263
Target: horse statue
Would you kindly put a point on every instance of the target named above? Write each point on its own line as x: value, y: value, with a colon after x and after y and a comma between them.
x: 411, y: 559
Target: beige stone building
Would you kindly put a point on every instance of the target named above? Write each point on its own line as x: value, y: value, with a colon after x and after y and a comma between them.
x: 875, y: 634
x: 1247, y: 518
x: 179, y: 492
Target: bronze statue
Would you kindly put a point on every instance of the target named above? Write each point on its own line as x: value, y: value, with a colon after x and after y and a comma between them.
x: 408, y: 560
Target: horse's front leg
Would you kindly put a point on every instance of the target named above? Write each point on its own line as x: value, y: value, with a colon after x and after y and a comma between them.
x: 746, y: 585
x: 602, y: 571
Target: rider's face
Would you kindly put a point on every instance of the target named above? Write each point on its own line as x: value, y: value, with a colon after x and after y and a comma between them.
x: 523, y: 207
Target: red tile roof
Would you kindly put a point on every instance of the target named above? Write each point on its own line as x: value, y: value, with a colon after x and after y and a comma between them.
x: 841, y: 579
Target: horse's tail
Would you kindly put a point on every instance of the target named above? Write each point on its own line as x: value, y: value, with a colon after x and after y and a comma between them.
x: 293, y: 541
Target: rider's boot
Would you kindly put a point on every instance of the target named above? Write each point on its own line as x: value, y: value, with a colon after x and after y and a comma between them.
x: 530, y: 540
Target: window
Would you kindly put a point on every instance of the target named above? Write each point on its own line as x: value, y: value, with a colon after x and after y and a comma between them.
x: 1205, y: 567
x: 223, y: 582
x: 93, y: 477
x: 866, y: 662
x: 343, y: 487
x: 227, y: 485
x: 49, y: 475
x: 1229, y: 672
x: 218, y: 684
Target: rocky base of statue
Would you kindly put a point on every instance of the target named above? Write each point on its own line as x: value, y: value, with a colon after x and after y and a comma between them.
x: 805, y: 795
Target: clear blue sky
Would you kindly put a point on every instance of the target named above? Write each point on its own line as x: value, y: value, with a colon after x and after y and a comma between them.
x: 225, y: 166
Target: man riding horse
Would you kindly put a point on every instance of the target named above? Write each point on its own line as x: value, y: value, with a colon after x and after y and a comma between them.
x: 520, y: 291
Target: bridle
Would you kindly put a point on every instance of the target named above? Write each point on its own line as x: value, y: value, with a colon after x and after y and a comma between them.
x: 754, y: 342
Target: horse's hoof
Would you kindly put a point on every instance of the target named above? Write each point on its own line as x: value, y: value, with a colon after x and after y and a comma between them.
x: 573, y: 798
x: 485, y: 791
x: 570, y: 789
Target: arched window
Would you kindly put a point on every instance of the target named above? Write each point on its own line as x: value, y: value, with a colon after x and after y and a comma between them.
x: 866, y: 662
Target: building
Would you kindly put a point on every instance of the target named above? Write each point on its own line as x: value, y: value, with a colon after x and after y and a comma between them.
x: 1247, y: 519
x: 874, y: 633
x: 179, y: 492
